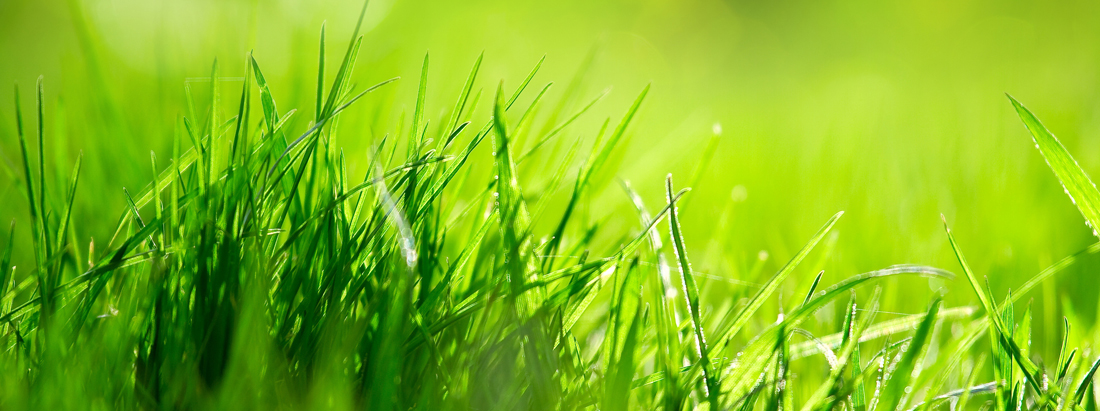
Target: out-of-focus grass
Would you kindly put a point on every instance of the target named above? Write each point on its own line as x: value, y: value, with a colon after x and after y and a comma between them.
x: 893, y: 112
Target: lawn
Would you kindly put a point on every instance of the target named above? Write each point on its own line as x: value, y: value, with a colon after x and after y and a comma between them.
x: 591, y: 205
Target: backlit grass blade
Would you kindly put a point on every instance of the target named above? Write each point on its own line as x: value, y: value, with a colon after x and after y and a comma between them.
x: 625, y: 322
x: 240, y: 134
x: 691, y: 291
x: 1031, y: 371
x: 664, y: 292
x: 599, y: 156
x: 561, y: 126
x: 598, y: 160
x: 895, y: 390
x: 1082, y: 388
x: 40, y: 105
x: 859, y: 391
x: 667, y: 288
x: 463, y: 99
x: 745, y: 314
x: 512, y: 209
x: 343, y: 72
x: 813, y: 288
x: 38, y: 214
x: 6, y: 268
x: 215, y: 135
x: 73, y: 179
x: 1002, y: 359
x: 523, y: 84
x: 1064, y: 359
x: 706, y: 156
x: 1023, y: 332
x: 418, y: 111
x: 319, y: 105
x: 1081, y: 190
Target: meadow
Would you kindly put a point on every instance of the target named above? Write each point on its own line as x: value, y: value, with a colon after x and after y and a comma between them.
x: 591, y: 205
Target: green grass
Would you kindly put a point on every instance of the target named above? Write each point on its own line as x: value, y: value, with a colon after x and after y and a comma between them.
x: 463, y: 263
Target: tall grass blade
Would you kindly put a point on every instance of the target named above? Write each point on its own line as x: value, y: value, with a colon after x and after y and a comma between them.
x: 1000, y: 330
x: 691, y: 291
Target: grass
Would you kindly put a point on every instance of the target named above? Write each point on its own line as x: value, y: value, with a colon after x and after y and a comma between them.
x: 255, y: 270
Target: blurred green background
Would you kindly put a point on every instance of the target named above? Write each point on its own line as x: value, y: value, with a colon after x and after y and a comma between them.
x: 891, y: 111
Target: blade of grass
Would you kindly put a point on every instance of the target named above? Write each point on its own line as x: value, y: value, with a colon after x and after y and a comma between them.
x: 895, y: 392
x: 1030, y: 369
x: 773, y: 283
x: 6, y: 269
x: 464, y: 96
x: 691, y: 290
x: 73, y: 179
x: 1082, y: 388
x: 754, y: 358
x: 37, y: 213
x: 1081, y: 190
x: 319, y: 105
x: 418, y: 111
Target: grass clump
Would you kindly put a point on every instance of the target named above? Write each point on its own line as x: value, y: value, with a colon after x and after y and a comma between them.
x: 256, y: 271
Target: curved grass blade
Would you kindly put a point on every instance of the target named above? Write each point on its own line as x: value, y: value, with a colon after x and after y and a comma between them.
x: 1031, y: 371
x: 1085, y: 381
x: 773, y: 283
x: 813, y: 288
x: 1081, y: 190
